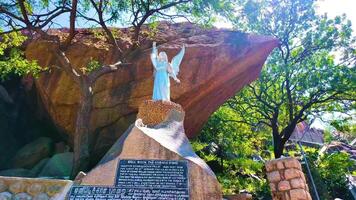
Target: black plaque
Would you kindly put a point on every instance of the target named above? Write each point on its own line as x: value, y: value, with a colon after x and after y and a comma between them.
x: 159, y: 174
x: 141, y: 179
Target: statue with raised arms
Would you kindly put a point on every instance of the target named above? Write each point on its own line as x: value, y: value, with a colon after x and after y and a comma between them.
x: 163, y: 70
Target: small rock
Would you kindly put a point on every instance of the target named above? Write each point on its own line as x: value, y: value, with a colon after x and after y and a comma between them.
x: 53, y: 189
x: 297, y: 183
x: 291, y: 173
x: 269, y: 166
x: 5, y: 196
x: 297, y: 194
x: 22, y: 196
x: 301, y: 175
x: 30, y: 154
x: 17, y: 187
x: 280, y: 165
x: 273, y: 187
x: 292, y: 163
x: 35, y: 189
x: 274, y: 176
x: 3, y: 186
x: 60, y: 165
x: 42, y: 196
x: 283, y: 186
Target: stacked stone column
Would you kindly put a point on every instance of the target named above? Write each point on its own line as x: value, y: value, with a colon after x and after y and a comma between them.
x: 287, y: 180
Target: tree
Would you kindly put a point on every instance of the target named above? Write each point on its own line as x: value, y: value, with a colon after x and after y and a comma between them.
x: 235, y: 153
x: 11, y: 57
x: 312, y: 71
x: 346, y: 126
x: 36, y: 17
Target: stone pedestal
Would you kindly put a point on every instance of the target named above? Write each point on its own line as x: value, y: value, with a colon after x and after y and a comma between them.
x: 160, y: 137
x: 287, y: 180
x: 155, y: 112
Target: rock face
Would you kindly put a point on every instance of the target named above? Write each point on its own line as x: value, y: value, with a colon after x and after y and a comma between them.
x: 216, y: 65
x: 22, y: 123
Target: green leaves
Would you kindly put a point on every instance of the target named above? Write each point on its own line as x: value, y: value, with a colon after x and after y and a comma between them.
x: 333, y: 169
x: 312, y: 71
x: 92, y: 65
x: 225, y: 140
x: 12, y: 60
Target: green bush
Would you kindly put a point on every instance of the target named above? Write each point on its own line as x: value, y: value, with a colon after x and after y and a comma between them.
x: 333, y: 169
x: 329, y: 173
x: 12, y: 59
x: 230, y: 148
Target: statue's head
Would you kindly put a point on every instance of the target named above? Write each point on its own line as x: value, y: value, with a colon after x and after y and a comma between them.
x: 162, y: 56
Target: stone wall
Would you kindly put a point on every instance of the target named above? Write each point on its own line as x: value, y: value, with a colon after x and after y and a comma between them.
x: 33, y: 188
x: 287, y: 180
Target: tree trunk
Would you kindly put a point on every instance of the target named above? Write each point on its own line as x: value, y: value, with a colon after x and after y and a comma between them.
x: 136, y: 36
x: 278, y: 150
x: 81, y: 136
x: 278, y: 144
x: 282, y: 138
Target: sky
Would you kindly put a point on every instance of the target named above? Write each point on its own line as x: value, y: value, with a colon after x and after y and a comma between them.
x: 331, y: 7
x: 338, y: 7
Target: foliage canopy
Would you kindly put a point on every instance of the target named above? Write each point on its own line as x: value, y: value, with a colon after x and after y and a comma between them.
x: 312, y: 71
x: 12, y: 60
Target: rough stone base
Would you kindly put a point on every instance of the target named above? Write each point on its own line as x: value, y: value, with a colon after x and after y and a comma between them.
x: 137, y: 143
x: 154, y: 112
x: 33, y: 188
x: 287, y: 181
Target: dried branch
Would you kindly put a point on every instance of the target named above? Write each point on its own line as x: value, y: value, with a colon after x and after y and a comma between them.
x: 94, y: 75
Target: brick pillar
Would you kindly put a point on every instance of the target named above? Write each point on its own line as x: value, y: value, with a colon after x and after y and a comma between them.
x: 286, y: 179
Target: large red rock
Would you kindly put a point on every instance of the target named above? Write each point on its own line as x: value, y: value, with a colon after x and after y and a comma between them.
x: 217, y: 64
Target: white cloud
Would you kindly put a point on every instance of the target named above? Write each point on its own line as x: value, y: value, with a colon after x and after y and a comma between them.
x: 338, y: 7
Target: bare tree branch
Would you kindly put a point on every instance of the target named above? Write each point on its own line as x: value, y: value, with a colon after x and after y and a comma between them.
x: 94, y: 75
